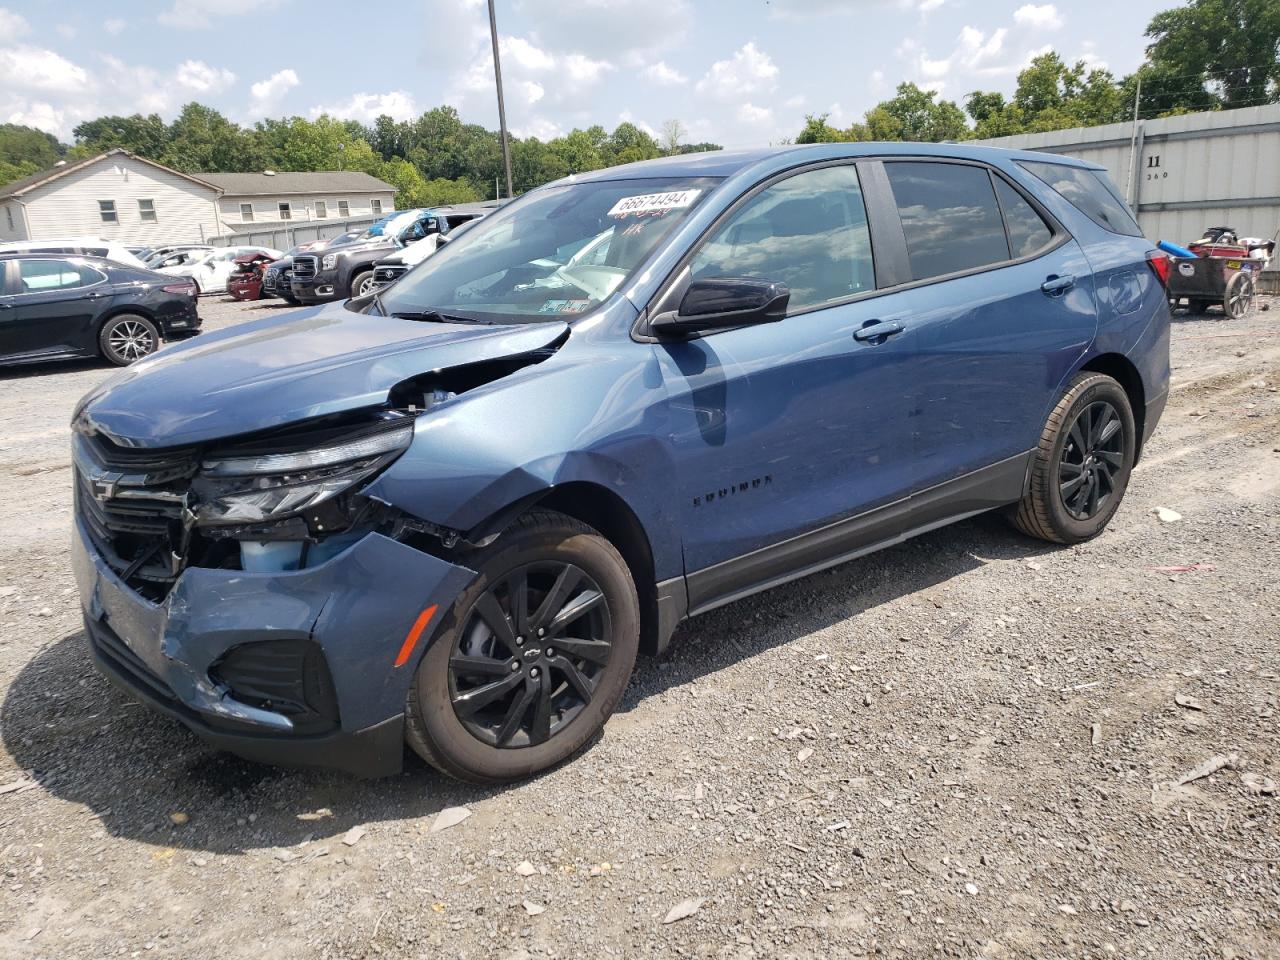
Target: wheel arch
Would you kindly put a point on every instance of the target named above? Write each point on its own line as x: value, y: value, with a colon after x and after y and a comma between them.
x: 117, y: 310
x: 1121, y: 369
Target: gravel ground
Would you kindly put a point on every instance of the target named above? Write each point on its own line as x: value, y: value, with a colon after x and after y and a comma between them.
x: 964, y: 746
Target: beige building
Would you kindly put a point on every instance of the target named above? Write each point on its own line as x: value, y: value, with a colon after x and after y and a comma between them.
x: 121, y: 197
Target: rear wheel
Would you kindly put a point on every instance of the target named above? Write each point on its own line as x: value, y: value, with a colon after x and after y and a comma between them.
x: 127, y: 338
x: 1082, y: 463
x: 532, y: 658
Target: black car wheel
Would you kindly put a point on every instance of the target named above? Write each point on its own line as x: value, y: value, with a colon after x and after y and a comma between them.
x: 532, y: 658
x: 1082, y: 464
x: 127, y: 338
x: 362, y: 284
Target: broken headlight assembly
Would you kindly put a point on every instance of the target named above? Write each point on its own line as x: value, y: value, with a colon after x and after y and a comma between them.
x: 247, y: 487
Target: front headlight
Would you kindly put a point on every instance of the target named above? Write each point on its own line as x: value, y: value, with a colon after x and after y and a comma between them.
x: 251, y: 488
x: 328, y: 261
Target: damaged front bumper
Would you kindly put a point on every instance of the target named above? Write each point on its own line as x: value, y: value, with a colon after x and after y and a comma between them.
x: 292, y: 668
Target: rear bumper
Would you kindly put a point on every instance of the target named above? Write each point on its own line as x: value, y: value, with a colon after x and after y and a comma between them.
x: 354, y: 608
x: 1155, y: 409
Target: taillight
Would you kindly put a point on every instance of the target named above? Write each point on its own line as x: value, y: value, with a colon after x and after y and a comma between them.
x: 188, y: 288
x: 1161, y: 265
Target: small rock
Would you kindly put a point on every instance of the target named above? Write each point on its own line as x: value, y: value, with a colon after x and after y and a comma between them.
x: 971, y: 889
x: 1127, y: 906
x: 1187, y: 701
x: 449, y: 817
x: 1068, y: 909
x: 1257, y: 784
x: 1095, y: 733
x: 804, y: 754
x: 1167, y: 516
x: 684, y: 909
x: 178, y: 818
x: 44, y: 612
x: 533, y: 909
x: 354, y: 835
x: 320, y: 814
x: 526, y: 869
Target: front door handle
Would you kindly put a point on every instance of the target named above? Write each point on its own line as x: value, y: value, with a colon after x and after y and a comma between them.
x: 879, y: 330
x: 1057, y: 286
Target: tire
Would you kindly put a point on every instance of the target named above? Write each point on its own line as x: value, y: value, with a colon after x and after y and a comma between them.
x: 362, y: 283
x: 1047, y: 511
x: 1239, y: 296
x: 290, y: 299
x: 126, y: 338
x: 465, y: 741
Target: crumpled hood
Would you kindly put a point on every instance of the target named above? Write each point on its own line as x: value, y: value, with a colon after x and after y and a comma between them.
x: 281, y: 370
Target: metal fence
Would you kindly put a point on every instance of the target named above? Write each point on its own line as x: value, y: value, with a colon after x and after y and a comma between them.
x: 1183, y: 174
x: 284, y: 236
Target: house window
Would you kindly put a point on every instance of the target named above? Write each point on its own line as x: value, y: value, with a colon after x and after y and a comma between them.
x: 246, y: 213
x: 286, y: 212
x: 147, y: 211
x: 343, y: 210
x: 322, y: 210
x: 8, y: 213
x: 376, y: 205
x: 107, y: 210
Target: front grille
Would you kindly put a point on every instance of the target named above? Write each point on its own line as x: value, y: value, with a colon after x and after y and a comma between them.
x: 390, y: 273
x: 304, y: 268
x: 269, y: 279
x: 131, y: 503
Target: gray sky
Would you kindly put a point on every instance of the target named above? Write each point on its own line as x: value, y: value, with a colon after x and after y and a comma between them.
x: 738, y: 72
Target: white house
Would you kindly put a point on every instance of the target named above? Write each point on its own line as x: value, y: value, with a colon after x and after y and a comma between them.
x: 122, y: 197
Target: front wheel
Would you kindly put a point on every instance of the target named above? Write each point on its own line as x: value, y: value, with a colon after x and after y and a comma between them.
x: 1239, y: 296
x: 362, y: 284
x: 532, y: 658
x: 127, y: 338
x: 1082, y: 464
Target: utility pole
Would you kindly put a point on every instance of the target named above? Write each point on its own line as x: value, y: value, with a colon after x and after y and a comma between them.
x: 1134, y: 173
x: 502, y: 109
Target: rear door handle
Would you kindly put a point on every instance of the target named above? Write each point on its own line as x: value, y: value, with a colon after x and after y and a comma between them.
x: 1057, y: 286
x: 877, y: 330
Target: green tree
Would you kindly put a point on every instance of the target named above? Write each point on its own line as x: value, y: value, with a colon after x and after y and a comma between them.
x: 1231, y: 45
x: 579, y: 150
x: 914, y: 114
x: 628, y: 143
x: 27, y: 145
x: 201, y: 139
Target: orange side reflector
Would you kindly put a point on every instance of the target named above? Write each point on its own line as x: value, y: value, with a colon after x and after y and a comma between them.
x: 411, y: 641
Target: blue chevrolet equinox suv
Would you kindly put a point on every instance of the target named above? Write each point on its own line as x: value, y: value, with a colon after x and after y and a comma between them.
x: 451, y: 513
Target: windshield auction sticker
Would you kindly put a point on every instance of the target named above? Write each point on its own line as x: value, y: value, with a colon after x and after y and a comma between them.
x: 654, y: 204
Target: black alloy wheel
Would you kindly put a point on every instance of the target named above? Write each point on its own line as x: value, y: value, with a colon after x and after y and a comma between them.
x: 530, y: 656
x: 1091, y: 459
x: 127, y: 338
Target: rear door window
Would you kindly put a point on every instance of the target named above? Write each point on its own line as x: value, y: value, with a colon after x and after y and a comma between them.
x: 43, y: 276
x: 808, y: 231
x: 1027, y: 230
x: 1090, y: 192
x: 949, y: 217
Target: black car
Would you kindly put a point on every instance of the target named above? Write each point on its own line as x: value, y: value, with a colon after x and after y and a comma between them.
x: 59, y: 307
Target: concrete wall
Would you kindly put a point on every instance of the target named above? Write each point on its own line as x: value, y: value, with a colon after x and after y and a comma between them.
x: 1183, y: 174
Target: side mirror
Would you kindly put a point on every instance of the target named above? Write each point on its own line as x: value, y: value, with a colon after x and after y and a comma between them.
x: 715, y: 304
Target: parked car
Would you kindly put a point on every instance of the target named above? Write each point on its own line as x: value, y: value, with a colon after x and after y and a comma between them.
x: 390, y: 269
x: 451, y: 514
x: 79, y: 246
x: 165, y: 256
x: 245, y: 282
x: 212, y: 270
x: 58, y: 307
x: 347, y: 271
x: 276, y: 277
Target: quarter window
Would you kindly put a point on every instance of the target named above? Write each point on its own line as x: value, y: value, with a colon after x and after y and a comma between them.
x: 949, y: 217
x: 376, y: 207
x: 147, y: 211
x: 322, y: 210
x: 808, y: 231
x: 246, y: 213
x: 286, y: 211
x: 1090, y: 192
x: 39, y: 276
x: 1027, y: 230
x: 344, y: 210
x: 107, y: 211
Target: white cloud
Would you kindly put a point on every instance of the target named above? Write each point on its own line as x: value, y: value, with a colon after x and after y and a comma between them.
x: 927, y: 7
x: 34, y: 68
x: 203, y: 14
x: 66, y: 31
x: 663, y: 75
x: 582, y: 69
x: 199, y: 76
x: 748, y: 71
x: 12, y: 25
x: 115, y: 26
x: 611, y: 29
x: 367, y: 107
x: 1039, y: 17
x: 754, y: 116
x: 265, y: 94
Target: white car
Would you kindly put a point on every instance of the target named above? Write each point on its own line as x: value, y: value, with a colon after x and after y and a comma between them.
x: 81, y: 246
x: 210, y: 270
x: 161, y: 256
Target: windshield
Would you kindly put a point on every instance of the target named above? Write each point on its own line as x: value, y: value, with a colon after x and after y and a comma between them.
x: 555, y: 254
x: 391, y: 226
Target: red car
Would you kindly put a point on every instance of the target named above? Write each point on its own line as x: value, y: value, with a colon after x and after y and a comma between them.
x: 245, y: 282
